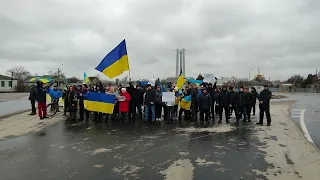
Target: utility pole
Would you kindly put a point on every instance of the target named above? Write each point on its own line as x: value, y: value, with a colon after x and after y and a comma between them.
x: 181, y: 61
x: 58, y: 79
x: 177, y: 63
x: 184, y: 62
x: 11, y: 81
x: 249, y: 74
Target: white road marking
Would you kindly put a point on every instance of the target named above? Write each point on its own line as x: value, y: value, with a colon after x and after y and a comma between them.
x: 304, y: 127
x: 295, y: 116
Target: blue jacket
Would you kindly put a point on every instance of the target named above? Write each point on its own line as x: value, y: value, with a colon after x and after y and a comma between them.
x: 55, y: 94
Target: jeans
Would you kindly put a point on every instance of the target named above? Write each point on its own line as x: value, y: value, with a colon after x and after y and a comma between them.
x: 169, y: 110
x: 153, y: 114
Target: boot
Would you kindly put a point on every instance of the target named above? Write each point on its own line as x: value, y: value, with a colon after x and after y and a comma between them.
x: 220, y: 121
x: 237, y: 122
x: 32, y: 113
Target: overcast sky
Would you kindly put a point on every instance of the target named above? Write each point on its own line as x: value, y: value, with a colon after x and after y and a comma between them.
x: 223, y: 37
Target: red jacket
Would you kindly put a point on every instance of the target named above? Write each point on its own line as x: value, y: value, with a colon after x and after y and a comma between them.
x: 124, y: 105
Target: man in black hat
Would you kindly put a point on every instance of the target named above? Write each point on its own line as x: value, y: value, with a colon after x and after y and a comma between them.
x: 264, y: 105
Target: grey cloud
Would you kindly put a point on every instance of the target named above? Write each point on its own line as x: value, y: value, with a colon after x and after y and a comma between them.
x: 227, y: 38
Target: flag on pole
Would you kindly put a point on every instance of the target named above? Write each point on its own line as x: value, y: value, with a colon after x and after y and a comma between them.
x: 180, y: 81
x: 115, y: 62
x: 85, y: 78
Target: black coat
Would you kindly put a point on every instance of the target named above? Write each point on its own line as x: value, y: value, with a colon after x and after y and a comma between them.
x: 242, y: 99
x: 194, y: 96
x: 137, y: 97
x: 150, y: 97
x: 233, y: 97
x: 265, y: 96
x: 42, y: 92
x: 33, y: 94
x: 224, y: 98
x: 73, y: 100
x: 255, y: 96
x: 204, y: 101
x: 250, y: 98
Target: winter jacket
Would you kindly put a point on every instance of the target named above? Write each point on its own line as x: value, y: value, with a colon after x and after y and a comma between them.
x: 233, y: 97
x: 250, y: 98
x: 73, y: 100
x: 159, y: 97
x: 33, y: 94
x: 204, y: 101
x: 255, y: 96
x: 55, y: 94
x: 150, y: 97
x: 124, y: 105
x: 216, y: 95
x: 194, y: 96
x: 42, y: 93
x: 265, y: 96
x: 211, y: 92
x: 137, y: 97
x: 241, y: 99
x: 224, y: 98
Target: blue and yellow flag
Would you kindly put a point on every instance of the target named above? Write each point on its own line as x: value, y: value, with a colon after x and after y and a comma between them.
x: 115, y: 62
x: 186, y: 102
x: 180, y: 81
x: 101, y: 102
x: 85, y: 78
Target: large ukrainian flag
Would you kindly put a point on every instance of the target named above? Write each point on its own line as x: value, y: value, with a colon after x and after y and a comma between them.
x: 85, y: 78
x: 186, y: 102
x: 115, y: 62
x: 101, y: 102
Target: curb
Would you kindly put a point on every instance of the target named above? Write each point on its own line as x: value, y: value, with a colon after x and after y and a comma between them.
x: 13, y: 114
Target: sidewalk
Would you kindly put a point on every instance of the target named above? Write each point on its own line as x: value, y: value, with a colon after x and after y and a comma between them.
x: 23, y: 123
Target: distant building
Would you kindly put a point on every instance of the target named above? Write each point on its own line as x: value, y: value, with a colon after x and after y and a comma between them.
x: 7, y: 84
x: 94, y: 80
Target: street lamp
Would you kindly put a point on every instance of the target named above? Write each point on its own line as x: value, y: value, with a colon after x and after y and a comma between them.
x: 249, y: 73
x: 59, y: 75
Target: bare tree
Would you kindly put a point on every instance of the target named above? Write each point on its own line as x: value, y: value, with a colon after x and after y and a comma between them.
x: 20, y: 73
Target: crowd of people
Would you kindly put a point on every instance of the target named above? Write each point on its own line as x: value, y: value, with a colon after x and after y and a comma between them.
x: 145, y: 103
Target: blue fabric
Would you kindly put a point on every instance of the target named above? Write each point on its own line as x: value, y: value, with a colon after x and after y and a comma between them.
x: 55, y: 94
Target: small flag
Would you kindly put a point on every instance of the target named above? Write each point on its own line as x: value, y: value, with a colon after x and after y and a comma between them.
x: 115, y: 62
x: 85, y: 78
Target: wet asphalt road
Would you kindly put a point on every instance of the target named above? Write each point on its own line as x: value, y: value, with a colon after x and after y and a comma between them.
x: 13, y: 106
x: 130, y: 151
x: 310, y: 102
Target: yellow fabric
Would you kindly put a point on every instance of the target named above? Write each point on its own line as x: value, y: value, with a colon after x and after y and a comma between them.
x: 61, y: 101
x: 177, y: 100
x: 85, y: 103
x: 117, y: 67
x: 185, y: 105
x: 180, y: 81
x: 100, y: 107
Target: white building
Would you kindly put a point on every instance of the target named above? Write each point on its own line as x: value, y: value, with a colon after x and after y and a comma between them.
x: 7, y: 84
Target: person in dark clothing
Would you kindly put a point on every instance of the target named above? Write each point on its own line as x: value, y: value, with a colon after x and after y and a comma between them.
x: 241, y: 102
x: 233, y: 98
x: 216, y: 98
x: 194, y: 102
x: 149, y: 103
x: 158, y: 104
x: 248, y: 104
x: 264, y: 105
x: 73, y: 102
x: 204, y: 104
x: 136, y: 101
x: 224, y: 103
x: 254, y: 100
x: 187, y: 115
x: 83, y: 94
x: 32, y: 99
x: 65, y: 97
x: 42, y: 90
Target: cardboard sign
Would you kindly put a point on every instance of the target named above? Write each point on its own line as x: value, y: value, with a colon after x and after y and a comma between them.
x: 209, y: 78
x: 168, y: 97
